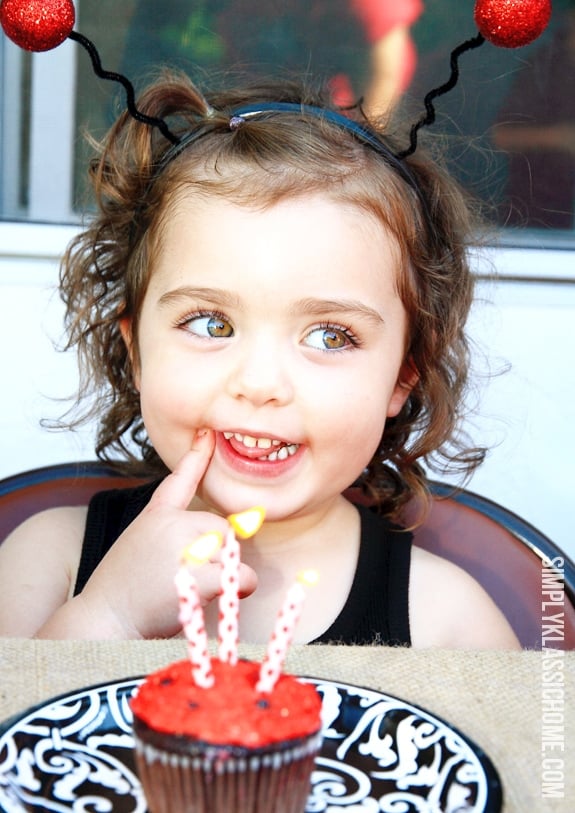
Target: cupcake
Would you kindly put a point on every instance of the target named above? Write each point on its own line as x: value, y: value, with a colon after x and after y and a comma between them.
x: 225, y: 749
x: 218, y: 734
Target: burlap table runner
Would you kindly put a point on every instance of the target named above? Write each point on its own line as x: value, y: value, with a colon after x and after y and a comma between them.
x: 494, y: 698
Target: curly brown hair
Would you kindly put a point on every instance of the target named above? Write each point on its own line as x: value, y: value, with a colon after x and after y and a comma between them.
x: 271, y: 157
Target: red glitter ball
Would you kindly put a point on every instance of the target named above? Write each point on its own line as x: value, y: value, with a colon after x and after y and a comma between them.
x: 512, y: 23
x: 37, y: 25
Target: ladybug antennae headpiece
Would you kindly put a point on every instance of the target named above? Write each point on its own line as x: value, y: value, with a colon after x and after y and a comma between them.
x: 40, y: 25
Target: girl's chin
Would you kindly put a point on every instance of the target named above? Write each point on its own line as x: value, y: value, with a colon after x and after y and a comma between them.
x: 224, y: 499
x: 226, y: 504
x: 281, y: 505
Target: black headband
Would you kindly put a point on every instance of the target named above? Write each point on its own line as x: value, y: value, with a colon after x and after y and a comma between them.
x: 246, y: 112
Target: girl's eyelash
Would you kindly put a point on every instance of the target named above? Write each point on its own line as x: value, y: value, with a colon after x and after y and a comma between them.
x: 200, y: 313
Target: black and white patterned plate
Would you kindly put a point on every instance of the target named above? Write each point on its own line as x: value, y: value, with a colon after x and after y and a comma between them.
x: 380, y: 755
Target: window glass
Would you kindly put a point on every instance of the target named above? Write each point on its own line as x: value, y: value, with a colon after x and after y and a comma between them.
x: 14, y: 129
x: 510, y: 122
x: 508, y: 128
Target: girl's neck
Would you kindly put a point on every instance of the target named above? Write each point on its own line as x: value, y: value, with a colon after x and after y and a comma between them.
x: 285, y: 537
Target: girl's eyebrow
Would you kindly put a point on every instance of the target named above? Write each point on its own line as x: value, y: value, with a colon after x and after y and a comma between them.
x: 215, y: 296
x: 346, y: 307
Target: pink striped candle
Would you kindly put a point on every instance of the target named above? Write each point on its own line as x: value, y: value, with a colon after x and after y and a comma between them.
x: 191, y: 614
x: 282, y: 635
x: 244, y: 524
x: 229, y: 606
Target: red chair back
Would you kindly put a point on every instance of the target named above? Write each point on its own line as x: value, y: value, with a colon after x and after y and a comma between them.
x: 62, y: 484
x: 509, y: 558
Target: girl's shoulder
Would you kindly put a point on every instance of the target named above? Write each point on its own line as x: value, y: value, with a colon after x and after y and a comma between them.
x: 448, y: 608
x: 38, y: 564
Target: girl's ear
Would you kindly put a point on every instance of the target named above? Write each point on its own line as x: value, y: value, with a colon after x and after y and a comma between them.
x: 125, y: 323
x: 406, y: 381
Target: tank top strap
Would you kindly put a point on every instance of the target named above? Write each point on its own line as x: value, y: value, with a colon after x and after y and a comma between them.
x: 377, y: 607
x: 109, y: 514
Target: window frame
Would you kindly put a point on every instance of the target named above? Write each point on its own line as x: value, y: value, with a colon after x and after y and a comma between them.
x: 46, y: 150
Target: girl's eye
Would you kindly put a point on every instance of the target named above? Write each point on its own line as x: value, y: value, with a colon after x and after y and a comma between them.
x: 209, y: 325
x: 330, y: 337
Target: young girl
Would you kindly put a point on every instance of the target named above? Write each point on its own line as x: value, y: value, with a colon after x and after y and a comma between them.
x: 270, y: 311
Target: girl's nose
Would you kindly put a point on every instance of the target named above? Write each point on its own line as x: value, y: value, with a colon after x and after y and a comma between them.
x: 260, y: 374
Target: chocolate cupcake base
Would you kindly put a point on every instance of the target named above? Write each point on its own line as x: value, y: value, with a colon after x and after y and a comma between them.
x: 185, y: 776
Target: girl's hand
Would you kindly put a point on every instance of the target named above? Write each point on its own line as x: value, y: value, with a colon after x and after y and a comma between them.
x: 131, y: 594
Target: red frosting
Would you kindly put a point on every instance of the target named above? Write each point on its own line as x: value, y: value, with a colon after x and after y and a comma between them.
x: 232, y: 712
x: 512, y: 23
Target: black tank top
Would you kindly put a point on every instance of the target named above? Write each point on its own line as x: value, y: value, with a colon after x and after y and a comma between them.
x: 376, y: 610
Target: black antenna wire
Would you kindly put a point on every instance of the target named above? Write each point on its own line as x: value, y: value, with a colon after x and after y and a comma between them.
x: 425, y: 121
x: 128, y: 87
x: 429, y: 117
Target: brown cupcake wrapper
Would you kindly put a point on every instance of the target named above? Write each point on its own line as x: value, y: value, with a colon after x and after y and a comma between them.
x: 212, y: 779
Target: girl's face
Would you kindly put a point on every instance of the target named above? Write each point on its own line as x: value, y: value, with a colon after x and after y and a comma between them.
x: 282, y: 331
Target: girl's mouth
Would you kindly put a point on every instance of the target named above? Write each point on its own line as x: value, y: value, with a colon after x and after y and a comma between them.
x: 260, y: 448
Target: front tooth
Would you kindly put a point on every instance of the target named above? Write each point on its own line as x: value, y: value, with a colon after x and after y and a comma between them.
x: 282, y: 453
x: 251, y: 442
